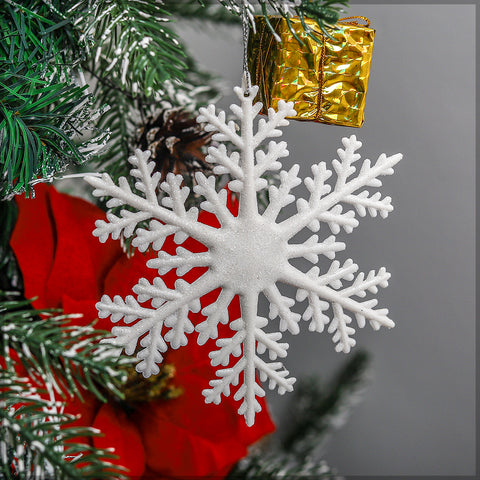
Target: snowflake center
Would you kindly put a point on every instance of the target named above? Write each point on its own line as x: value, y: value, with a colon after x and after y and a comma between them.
x: 250, y: 254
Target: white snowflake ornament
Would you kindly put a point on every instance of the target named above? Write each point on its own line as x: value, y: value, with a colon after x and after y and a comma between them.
x: 248, y: 255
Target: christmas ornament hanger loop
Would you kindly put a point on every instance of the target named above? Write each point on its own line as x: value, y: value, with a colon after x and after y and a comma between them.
x: 246, y: 80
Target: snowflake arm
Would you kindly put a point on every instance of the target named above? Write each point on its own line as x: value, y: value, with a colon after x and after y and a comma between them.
x: 312, y: 248
x: 176, y: 218
x: 252, y: 340
x: 170, y: 308
x: 269, y: 128
x: 280, y: 307
x: 373, y: 204
x: 153, y: 345
x: 314, y: 287
x: 216, y: 313
x: 269, y: 161
x: 183, y: 261
x: 247, y: 142
x: 215, y: 202
x: 325, y: 207
x: 217, y: 123
x: 224, y: 163
x: 280, y: 196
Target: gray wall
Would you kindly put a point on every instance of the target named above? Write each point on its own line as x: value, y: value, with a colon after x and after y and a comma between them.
x: 417, y: 416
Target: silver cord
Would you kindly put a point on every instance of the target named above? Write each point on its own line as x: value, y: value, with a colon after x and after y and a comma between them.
x: 245, y: 27
x: 54, y: 178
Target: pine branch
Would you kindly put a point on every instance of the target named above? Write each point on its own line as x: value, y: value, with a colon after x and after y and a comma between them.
x: 317, y: 412
x: 281, y: 467
x: 68, y: 357
x: 34, y: 32
x: 39, y: 120
x: 42, y: 111
x: 132, y: 45
x: 10, y: 276
x: 37, y: 440
x: 195, y: 11
x: 119, y: 118
x: 324, y: 12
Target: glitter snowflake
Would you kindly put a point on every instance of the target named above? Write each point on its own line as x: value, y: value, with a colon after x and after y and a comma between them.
x: 248, y: 255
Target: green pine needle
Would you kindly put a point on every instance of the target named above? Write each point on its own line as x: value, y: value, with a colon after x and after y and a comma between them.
x: 30, y: 37
x: 118, y: 118
x: 60, y: 359
x: 10, y: 276
x: 37, y: 441
x: 317, y: 411
x: 43, y: 113
x: 67, y: 357
x: 200, y: 11
x: 324, y: 12
x: 132, y: 45
x: 39, y: 120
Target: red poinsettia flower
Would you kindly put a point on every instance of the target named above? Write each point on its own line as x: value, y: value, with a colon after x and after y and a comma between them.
x: 64, y: 266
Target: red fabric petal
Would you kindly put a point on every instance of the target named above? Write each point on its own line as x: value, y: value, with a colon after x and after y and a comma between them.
x: 126, y: 271
x: 121, y: 434
x: 88, y: 311
x: 55, y: 248
x: 187, y: 437
x: 35, y: 230
x: 85, y: 409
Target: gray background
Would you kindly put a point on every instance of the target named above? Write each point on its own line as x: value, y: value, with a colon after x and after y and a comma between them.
x: 418, y: 414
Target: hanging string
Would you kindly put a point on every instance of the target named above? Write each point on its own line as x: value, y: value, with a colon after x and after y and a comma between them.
x: 54, y: 178
x: 245, y: 28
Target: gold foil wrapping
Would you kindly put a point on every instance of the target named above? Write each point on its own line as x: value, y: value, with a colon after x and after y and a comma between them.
x: 327, y: 81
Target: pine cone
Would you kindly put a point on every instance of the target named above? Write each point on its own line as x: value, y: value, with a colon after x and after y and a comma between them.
x: 175, y: 140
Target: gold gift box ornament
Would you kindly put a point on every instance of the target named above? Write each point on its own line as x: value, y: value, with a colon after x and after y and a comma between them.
x: 327, y: 81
